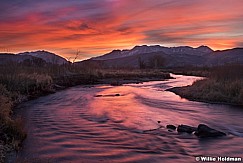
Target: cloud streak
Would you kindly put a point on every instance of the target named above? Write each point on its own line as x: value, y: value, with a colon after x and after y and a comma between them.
x: 99, y: 26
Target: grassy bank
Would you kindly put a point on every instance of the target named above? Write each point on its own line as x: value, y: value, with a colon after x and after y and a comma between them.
x: 223, y: 85
x: 19, y: 83
x: 11, y: 130
x: 15, y: 87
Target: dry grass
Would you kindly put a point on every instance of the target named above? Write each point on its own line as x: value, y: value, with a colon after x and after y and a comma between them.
x: 11, y: 130
x: 134, y: 73
x: 225, y: 85
x: 5, y: 103
x: 26, y: 83
x: 214, y: 91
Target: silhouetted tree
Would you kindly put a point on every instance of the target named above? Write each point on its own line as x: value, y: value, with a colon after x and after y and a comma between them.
x: 76, y: 56
x: 141, y: 63
x: 156, y: 61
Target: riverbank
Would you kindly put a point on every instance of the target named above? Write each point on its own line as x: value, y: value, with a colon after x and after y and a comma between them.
x: 11, y: 129
x: 224, y: 85
x: 21, y: 86
x: 187, y: 93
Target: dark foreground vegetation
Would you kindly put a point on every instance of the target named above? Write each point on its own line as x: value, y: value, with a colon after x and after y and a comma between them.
x: 20, y: 82
x: 224, y: 84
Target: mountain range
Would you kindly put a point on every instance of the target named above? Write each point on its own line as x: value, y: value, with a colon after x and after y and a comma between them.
x: 158, y: 56
x: 140, y: 57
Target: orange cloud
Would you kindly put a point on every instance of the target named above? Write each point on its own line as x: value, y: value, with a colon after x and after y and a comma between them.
x: 97, y: 27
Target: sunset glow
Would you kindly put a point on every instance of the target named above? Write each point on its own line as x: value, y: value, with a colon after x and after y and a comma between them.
x: 99, y: 26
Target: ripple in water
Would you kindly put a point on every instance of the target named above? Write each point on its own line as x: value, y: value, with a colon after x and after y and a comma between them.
x: 75, y: 126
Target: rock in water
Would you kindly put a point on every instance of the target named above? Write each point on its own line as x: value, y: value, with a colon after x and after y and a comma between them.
x: 205, y: 131
x: 172, y: 127
x: 185, y: 128
x: 98, y: 95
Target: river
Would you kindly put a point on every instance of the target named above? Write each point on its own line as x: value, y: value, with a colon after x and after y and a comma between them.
x: 80, y: 125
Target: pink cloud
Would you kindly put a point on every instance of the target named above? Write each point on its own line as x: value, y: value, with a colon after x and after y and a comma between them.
x: 97, y: 27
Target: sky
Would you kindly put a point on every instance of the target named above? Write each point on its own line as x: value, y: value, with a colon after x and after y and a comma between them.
x: 96, y: 27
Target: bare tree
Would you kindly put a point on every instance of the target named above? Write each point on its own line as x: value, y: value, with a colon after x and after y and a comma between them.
x: 76, y: 56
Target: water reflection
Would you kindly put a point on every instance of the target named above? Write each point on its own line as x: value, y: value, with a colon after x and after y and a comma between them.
x: 76, y: 125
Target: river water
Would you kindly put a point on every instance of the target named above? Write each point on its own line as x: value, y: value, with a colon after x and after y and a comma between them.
x: 74, y: 125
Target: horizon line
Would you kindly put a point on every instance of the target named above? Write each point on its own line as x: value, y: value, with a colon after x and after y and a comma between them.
x: 140, y: 45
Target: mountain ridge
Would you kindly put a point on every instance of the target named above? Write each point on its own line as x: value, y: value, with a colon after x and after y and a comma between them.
x: 144, y: 54
x: 173, y: 56
x: 48, y: 57
x: 154, y: 48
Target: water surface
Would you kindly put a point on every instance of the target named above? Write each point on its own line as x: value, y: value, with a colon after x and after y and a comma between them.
x: 75, y: 126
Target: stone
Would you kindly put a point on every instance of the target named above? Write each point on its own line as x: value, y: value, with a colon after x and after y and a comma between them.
x: 204, y: 131
x: 186, y: 128
x: 172, y: 127
x: 98, y: 95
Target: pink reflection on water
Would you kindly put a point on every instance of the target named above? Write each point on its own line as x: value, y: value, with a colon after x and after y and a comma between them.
x: 76, y: 126
x: 140, y: 106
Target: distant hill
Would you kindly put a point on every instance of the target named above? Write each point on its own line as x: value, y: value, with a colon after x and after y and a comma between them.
x: 33, y: 58
x: 46, y: 56
x: 9, y: 58
x: 160, y: 56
